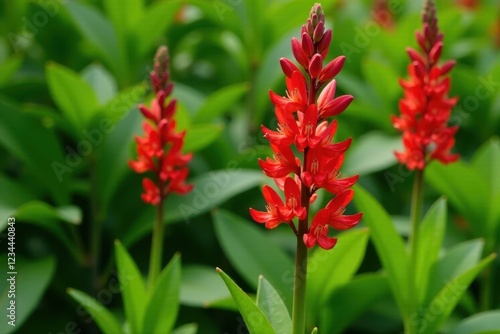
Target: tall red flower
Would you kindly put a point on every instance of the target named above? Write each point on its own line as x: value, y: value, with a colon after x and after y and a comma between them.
x: 304, y: 123
x: 426, y: 107
x: 160, y: 149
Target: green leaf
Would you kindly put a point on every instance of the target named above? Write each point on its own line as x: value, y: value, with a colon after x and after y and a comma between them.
x: 384, y: 80
x: 270, y: 303
x: 200, y: 136
x: 375, y: 149
x: 431, y: 235
x: 210, y: 190
x: 388, y: 244
x: 132, y: 288
x: 11, y: 197
x: 481, y: 322
x: 121, y: 105
x: 465, y: 189
x: 8, y: 68
x: 38, y: 148
x: 219, y: 102
x: 315, y: 330
x: 253, y: 254
x: 349, y: 301
x: 455, y: 262
x: 101, y: 315
x: 486, y: 162
x: 163, y: 304
x: 450, y: 294
x: 327, y: 270
x: 98, y: 31
x: 124, y: 14
x: 35, y: 210
x: 74, y: 97
x: 152, y: 25
x: 101, y: 81
x: 31, y: 281
x: 254, y: 318
x: 186, y: 329
x: 201, y: 287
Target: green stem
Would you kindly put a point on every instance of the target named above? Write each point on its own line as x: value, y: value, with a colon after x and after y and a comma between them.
x: 416, y: 217
x: 156, y: 247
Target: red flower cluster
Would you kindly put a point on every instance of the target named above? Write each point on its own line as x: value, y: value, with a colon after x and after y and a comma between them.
x: 303, y: 124
x: 160, y: 149
x: 426, y: 108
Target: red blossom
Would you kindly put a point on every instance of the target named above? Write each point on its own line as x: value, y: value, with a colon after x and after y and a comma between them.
x: 160, y: 149
x: 426, y: 108
x: 305, y: 156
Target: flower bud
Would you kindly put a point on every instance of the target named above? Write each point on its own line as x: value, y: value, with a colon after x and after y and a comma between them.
x: 288, y: 67
x: 332, y: 69
x: 325, y: 41
x: 315, y: 65
x: 318, y: 32
x: 307, y: 45
x: 299, y: 54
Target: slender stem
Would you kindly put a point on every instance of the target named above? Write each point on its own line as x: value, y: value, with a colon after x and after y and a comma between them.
x: 156, y: 247
x: 416, y: 217
x: 299, y: 288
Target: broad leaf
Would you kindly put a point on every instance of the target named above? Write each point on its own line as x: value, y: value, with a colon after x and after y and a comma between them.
x: 348, y: 302
x: 271, y: 304
x: 388, y: 244
x: 254, y: 318
x: 219, y: 102
x: 8, y: 68
x: 201, y: 287
x: 329, y: 269
x: 488, y: 321
x: 31, y: 281
x: 101, y: 315
x: 124, y: 14
x: 200, y: 136
x: 74, y: 97
x: 163, y: 304
x: 132, y: 288
x: 449, y: 296
x: 186, y: 329
x: 430, y: 242
x: 253, y: 254
x: 101, y: 81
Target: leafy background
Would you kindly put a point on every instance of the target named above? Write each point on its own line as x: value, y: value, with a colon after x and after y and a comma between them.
x: 71, y: 75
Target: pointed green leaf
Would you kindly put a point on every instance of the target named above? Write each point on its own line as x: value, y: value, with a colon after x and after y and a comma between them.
x: 315, y: 330
x: 132, y: 288
x: 219, y: 102
x: 101, y: 315
x: 124, y: 14
x: 252, y: 253
x: 485, y: 322
x: 163, y: 304
x: 388, y: 244
x: 101, y: 81
x: 329, y: 269
x: 455, y: 262
x: 74, y: 97
x: 270, y: 303
x: 349, y: 301
x: 8, y: 68
x: 383, y: 78
x: 98, y: 31
x: 254, y: 318
x: 430, y: 241
x: 449, y: 296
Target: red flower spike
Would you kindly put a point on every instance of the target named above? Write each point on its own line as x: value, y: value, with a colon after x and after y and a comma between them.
x: 160, y: 150
x: 426, y: 108
x: 304, y: 130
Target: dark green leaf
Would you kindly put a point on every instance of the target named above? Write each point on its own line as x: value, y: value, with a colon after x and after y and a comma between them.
x: 8, y: 68
x: 201, y: 286
x: 270, y: 303
x: 200, y: 136
x: 124, y: 14
x: 256, y: 321
x: 132, y: 288
x: 163, y: 304
x: 101, y: 315
x: 219, y: 102
x: 481, y: 322
x: 388, y: 244
x: 253, y: 254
